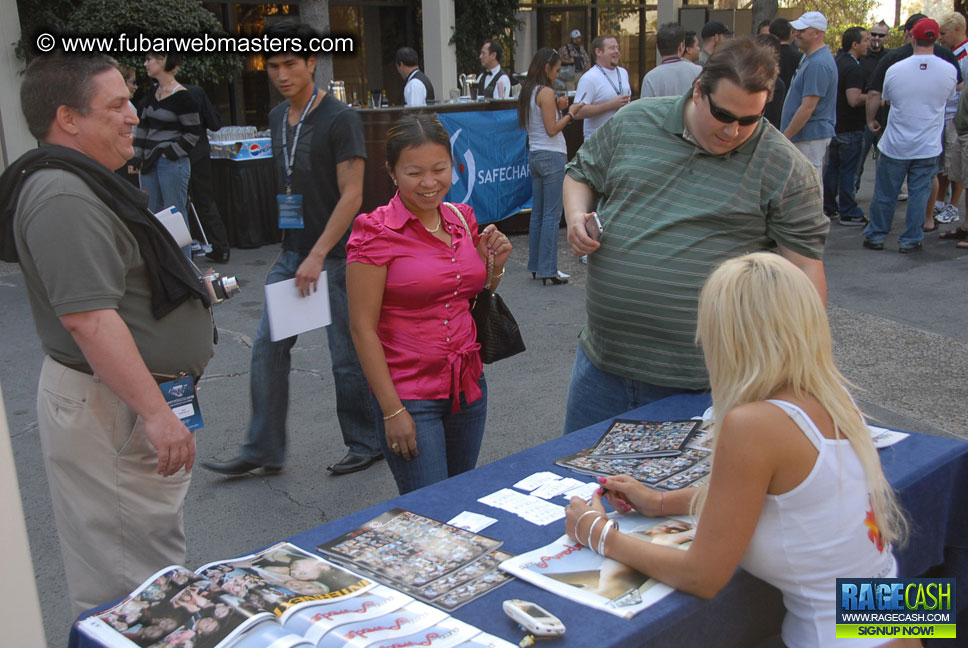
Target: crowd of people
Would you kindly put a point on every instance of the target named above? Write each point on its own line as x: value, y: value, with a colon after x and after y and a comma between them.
x: 120, y: 310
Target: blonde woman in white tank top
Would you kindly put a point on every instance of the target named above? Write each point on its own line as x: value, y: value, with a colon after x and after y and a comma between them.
x: 539, y: 112
x: 796, y: 495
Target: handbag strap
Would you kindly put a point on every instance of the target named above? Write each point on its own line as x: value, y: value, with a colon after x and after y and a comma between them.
x: 490, y: 257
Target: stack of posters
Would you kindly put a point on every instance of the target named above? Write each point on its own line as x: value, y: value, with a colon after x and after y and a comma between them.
x: 281, y: 596
x: 665, y: 455
x: 432, y: 561
x: 568, y: 569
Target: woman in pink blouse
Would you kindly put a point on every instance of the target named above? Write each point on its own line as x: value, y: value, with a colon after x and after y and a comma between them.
x: 412, y: 268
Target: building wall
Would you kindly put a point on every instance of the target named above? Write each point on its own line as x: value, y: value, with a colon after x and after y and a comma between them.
x: 15, y: 139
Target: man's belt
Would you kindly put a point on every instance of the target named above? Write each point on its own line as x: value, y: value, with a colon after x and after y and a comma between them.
x: 159, y: 378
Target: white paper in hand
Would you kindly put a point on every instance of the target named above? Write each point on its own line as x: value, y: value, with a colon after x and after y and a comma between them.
x: 291, y: 314
x: 174, y: 222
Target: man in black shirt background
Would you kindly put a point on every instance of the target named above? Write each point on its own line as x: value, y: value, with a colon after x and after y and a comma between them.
x: 843, y: 154
x: 790, y: 54
x: 875, y: 52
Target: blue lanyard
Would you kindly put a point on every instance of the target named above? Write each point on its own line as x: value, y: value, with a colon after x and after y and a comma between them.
x: 290, y: 158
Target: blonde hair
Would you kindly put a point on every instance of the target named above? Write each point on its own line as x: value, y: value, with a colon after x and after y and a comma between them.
x: 953, y: 19
x: 762, y: 327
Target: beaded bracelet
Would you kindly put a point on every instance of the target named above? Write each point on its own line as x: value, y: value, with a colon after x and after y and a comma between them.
x: 390, y: 416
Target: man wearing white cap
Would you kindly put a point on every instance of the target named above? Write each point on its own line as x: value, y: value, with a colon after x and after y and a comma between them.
x: 574, y: 60
x: 810, y: 108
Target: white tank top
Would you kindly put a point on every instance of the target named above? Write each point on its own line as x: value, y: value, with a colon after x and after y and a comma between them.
x: 538, y: 138
x: 810, y: 536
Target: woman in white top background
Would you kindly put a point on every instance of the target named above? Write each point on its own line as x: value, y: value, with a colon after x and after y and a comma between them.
x: 796, y: 494
x: 539, y: 112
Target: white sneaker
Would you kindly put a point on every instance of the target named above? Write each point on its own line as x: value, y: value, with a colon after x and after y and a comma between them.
x: 902, y: 196
x: 938, y: 207
x: 948, y: 215
x: 584, y: 259
x: 562, y: 275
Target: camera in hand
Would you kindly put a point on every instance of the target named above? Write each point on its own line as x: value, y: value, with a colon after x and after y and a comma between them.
x: 220, y: 288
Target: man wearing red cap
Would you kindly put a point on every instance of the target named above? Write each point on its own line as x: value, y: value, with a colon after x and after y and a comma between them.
x: 917, y: 88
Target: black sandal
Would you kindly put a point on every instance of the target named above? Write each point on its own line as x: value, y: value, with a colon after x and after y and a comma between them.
x: 954, y: 235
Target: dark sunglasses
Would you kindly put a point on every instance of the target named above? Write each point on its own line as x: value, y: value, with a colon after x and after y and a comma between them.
x: 728, y: 118
x: 873, y: 35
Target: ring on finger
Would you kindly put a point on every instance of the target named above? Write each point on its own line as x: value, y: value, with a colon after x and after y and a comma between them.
x: 395, y: 446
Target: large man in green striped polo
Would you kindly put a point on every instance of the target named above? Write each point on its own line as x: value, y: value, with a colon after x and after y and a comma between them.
x: 680, y: 184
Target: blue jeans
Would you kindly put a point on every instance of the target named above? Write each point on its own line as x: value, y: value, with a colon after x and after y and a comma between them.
x: 843, y: 156
x: 595, y: 395
x: 890, y: 176
x: 269, y: 375
x: 167, y: 185
x: 447, y: 444
x: 869, y: 140
x: 547, y: 176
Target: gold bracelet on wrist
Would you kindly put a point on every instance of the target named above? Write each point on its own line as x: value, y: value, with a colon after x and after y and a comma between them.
x: 390, y: 416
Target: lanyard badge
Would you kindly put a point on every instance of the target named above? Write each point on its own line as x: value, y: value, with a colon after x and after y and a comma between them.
x: 183, y: 401
x: 290, y: 204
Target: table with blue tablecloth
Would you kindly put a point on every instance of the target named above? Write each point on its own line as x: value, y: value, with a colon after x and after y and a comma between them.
x: 930, y: 473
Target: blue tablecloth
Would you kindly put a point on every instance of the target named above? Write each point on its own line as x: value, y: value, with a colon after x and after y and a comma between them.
x: 930, y: 472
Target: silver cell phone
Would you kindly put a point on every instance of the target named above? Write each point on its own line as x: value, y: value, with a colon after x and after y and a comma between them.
x: 534, y: 618
x: 593, y: 227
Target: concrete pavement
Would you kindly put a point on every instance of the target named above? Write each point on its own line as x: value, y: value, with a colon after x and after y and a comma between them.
x: 899, y: 325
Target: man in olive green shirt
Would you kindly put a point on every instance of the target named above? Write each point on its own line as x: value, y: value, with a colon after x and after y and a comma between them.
x: 119, y: 311
x: 680, y: 185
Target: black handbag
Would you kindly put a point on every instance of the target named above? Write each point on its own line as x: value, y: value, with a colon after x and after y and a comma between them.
x: 497, y: 331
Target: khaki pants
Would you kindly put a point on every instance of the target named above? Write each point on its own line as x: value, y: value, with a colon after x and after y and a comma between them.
x: 952, y: 154
x: 118, y: 521
x: 815, y: 151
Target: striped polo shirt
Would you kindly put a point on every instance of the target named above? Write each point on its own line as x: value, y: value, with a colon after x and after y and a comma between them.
x: 671, y: 213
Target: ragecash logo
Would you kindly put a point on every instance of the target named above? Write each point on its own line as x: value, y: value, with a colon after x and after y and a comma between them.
x: 896, y: 607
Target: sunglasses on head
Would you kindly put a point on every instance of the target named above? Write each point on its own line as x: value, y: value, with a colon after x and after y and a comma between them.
x: 727, y: 117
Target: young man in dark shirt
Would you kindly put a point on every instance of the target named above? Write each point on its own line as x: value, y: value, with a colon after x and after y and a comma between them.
x: 875, y: 52
x: 319, y: 165
x: 790, y: 55
x: 843, y: 154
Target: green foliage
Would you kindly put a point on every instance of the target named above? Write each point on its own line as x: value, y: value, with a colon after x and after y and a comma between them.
x: 477, y: 20
x: 840, y: 14
x: 151, y: 18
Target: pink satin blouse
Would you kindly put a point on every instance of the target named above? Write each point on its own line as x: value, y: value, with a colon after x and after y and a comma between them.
x: 425, y: 325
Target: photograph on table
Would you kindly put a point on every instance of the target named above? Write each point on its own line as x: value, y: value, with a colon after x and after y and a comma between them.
x: 627, y: 438
x: 282, y: 576
x: 474, y: 571
x: 408, y: 549
x: 667, y: 473
x: 175, y: 607
x: 575, y: 572
x: 473, y: 589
